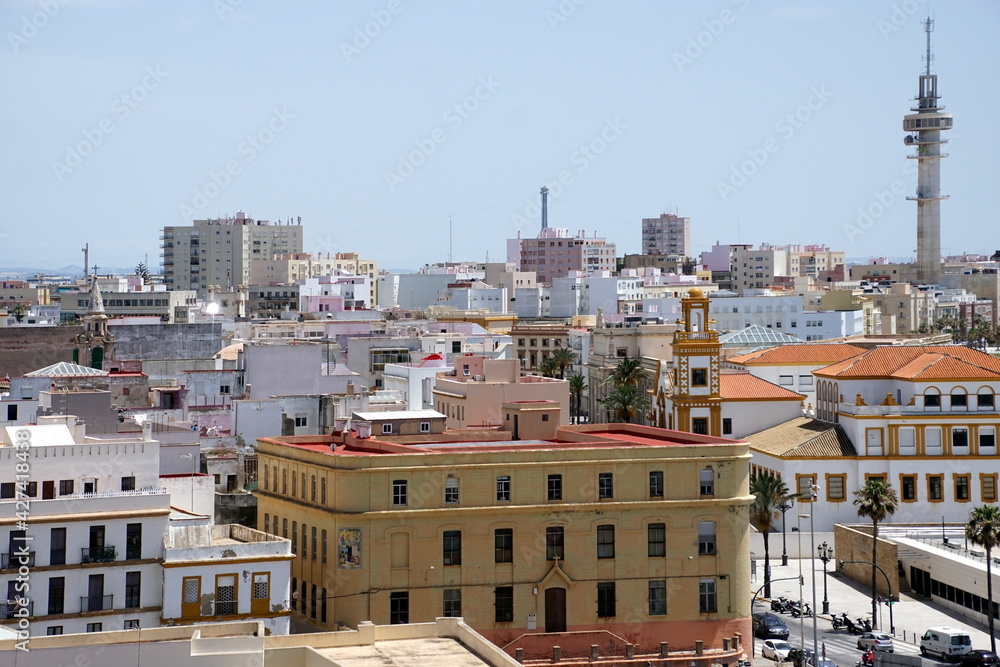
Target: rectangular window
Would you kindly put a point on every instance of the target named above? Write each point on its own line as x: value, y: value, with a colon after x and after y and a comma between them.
x: 54, y: 630
x: 804, y: 485
x: 962, y: 491
x: 606, y: 541
x: 57, y: 594
x: 706, y: 596
x: 301, y: 421
x: 988, y: 487
x: 452, y: 547
x: 7, y: 490
x: 399, y: 608
x: 554, y: 543
x: 128, y: 483
x: 312, y: 488
x: 555, y: 487
x: 908, y: 484
x: 503, y: 545
x: 133, y: 541
x: 190, y: 597
x: 656, y: 540
x: 94, y: 627
x: 503, y: 604
x: 959, y: 401
x: 699, y: 377
x: 932, y: 400
x: 323, y: 550
x: 657, y: 598
x: 225, y: 594
x: 727, y: 426
x: 656, y: 484
x: 960, y: 440
x: 452, y: 602
x: 984, y: 401
x: 706, y: 482
x: 935, y: 488
x: 133, y: 586
x: 503, y: 489
x: 907, y: 441
x: 425, y: 427
x: 386, y: 429
x: 451, y: 490
x: 313, y: 552
x: 57, y: 547
x: 836, y: 490
x: 399, y: 492
x: 606, y: 599
x: 699, y: 425
x: 786, y: 380
x: 131, y: 624
x: 605, y: 485
x: 706, y: 538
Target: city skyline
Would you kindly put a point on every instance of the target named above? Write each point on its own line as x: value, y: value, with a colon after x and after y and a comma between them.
x: 762, y: 123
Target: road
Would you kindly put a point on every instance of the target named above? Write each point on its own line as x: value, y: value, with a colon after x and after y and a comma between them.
x: 841, y: 646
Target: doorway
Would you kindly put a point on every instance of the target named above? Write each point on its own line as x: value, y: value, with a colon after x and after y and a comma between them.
x: 555, y: 610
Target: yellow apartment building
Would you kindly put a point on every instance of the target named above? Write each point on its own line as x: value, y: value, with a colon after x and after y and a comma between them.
x: 605, y: 528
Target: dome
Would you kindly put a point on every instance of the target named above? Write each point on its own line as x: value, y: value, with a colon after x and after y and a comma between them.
x: 695, y: 293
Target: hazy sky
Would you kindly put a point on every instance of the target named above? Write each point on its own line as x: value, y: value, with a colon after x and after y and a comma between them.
x: 374, y: 121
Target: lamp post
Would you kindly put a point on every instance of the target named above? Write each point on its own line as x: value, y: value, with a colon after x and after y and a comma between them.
x: 784, y: 507
x: 812, y: 564
x: 825, y: 555
x: 802, y: 617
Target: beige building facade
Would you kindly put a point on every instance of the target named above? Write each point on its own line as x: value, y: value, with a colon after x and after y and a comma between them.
x: 616, y: 529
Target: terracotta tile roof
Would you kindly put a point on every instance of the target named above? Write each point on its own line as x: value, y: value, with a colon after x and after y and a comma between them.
x: 744, y: 386
x: 917, y: 362
x: 803, y: 438
x: 816, y: 353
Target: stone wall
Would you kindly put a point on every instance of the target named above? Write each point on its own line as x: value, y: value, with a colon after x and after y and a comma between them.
x: 855, y: 543
x: 26, y: 349
x: 167, y: 341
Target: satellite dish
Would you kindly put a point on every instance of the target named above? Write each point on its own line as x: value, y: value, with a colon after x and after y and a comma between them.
x: 908, y: 139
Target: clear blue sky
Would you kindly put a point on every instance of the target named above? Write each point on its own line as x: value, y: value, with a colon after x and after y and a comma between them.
x: 311, y: 120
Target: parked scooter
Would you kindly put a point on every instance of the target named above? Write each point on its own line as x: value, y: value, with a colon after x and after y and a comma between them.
x: 852, y: 627
x: 863, y: 625
x: 801, y: 610
x: 840, y: 621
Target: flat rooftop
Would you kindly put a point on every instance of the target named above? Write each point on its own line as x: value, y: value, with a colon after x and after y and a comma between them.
x: 587, y: 436
x: 404, y: 653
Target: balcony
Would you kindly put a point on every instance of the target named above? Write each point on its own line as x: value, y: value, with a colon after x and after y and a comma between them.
x: 97, y: 602
x: 98, y: 555
x: 681, y: 336
x: 16, y: 560
x: 9, y: 611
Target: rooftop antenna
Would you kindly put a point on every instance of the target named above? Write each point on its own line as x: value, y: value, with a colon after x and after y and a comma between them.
x: 86, y: 258
x: 449, y: 239
x: 545, y: 207
x: 928, y: 28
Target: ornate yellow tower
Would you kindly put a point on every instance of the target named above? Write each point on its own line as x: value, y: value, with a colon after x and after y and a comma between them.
x: 696, y: 403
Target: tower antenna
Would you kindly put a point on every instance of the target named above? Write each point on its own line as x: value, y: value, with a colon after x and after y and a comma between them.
x: 449, y: 239
x: 928, y: 28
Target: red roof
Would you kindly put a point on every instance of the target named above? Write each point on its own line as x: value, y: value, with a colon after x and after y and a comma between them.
x: 747, y: 387
x: 918, y: 362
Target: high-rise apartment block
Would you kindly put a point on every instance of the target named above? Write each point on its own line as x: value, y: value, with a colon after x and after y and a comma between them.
x: 666, y: 235
x: 555, y: 253
x: 219, y: 251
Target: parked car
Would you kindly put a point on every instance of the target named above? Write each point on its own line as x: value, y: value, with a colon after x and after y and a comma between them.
x: 775, y: 649
x: 769, y: 626
x: 980, y: 658
x: 801, y: 657
x: 877, y: 641
x: 823, y: 662
x: 949, y: 643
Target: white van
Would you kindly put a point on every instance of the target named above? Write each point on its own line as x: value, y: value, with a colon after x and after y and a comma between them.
x: 949, y: 643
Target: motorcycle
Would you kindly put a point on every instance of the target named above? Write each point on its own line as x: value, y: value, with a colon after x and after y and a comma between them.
x: 781, y: 605
x: 801, y: 610
x: 866, y: 625
x: 839, y: 621
x: 852, y: 627
x: 867, y: 659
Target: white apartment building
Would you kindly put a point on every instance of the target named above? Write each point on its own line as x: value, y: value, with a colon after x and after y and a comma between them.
x: 923, y: 418
x: 666, y: 235
x: 785, y: 314
x: 474, y: 296
x: 532, y: 302
x: 290, y: 268
x: 88, y: 519
x: 219, y: 251
x: 757, y: 268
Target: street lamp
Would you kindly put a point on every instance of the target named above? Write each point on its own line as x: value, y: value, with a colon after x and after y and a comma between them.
x: 825, y: 555
x: 802, y: 616
x: 784, y: 507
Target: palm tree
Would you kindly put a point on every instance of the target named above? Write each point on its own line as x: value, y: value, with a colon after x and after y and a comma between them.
x: 563, y: 358
x: 547, y: 367
x: 623, y: 402
x: 628, y: 371
x: 876, y: 500
x: 983, y: 529
x: 577, y: 385
x: 769, y: 494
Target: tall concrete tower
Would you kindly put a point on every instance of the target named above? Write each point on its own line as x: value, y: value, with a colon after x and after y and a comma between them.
x: 924, y: 129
